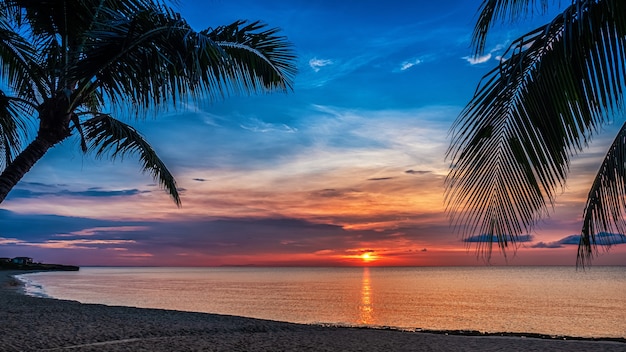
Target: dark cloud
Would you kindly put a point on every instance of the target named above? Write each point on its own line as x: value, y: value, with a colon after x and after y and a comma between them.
x: 38, y: 184
x: 34, y: 190
x: 99, y: 193
x: 209, y: 238
x: 333, y: 193
x: 573, y: 239
x: 329, y: 193
x: 37, y: 227
x: 417, y: 172
x: 547, y: 245
x: 245, y: 236
x: 487, y: 238
x: 199, y: 179
x: 380, y: 178
x: 602, y: 239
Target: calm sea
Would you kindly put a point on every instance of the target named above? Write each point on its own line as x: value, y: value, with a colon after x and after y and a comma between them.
x: 545, y: 300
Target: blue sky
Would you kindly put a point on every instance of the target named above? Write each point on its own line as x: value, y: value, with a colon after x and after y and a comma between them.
x: 351, y: 161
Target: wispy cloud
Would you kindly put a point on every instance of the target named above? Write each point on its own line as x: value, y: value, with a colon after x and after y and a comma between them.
x: 317, y: 64
x: 475, y: 60
x: 7, y: 241
x: 325, y: 71
x: 256, y: 125
x: 95, y: 231
x: 408, y: 64
x: 80, y: 243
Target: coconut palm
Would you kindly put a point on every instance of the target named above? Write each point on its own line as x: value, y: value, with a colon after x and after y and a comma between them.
x: 553, y: 90
x: 74, y: 68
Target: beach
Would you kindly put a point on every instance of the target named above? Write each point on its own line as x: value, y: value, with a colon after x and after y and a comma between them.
x: 43, y: 324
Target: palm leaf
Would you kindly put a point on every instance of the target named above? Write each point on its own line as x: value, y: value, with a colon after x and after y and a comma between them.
x: 18, y: 62
x: 259, y: 57
x: 12, y: 128
x: 605, y: 210
x: 492, y: 10
x: 155, y: 58
x: 112, y: 138
x: 512, y: 143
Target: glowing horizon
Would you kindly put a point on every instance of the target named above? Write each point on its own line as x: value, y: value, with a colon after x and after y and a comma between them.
x: 347, y: 170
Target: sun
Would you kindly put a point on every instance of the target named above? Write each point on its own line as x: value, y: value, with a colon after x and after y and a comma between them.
x: 368, y: 256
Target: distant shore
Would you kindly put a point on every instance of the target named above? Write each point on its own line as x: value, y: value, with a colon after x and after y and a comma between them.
x: 37, y: 267
x: 43, y: 324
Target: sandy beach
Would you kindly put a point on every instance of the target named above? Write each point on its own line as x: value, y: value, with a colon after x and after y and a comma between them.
x: 42, y: 324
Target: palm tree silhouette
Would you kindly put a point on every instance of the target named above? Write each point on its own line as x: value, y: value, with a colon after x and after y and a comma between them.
x: 554, y: 88
x: 75, y: 64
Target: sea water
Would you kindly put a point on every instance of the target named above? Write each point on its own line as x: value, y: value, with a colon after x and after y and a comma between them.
x: 544, y: 300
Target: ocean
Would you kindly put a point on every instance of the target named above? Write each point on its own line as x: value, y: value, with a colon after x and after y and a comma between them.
x: 542, y: 300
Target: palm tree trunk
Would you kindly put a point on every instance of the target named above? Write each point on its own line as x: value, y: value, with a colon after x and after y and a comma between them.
x: 22, y: 164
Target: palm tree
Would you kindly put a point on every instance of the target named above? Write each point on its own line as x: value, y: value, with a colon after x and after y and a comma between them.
x: 555, y: 87
x: 76, y: 65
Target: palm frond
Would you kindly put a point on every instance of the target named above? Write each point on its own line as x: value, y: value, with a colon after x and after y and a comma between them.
x: 12, y: 128
x: 493, y: 10
x: 67, y: 18
x: 156, y: 58
x: 56, y: 30
x: 18, y: 63
x: 512, y: 143
x: 259, y: 57
x: 112, y: 138
x: 605, y: 210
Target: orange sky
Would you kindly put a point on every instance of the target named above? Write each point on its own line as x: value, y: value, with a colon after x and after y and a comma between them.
x: 352, y: 162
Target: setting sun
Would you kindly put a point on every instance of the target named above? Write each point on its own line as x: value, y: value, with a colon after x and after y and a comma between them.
x: 368, y: 256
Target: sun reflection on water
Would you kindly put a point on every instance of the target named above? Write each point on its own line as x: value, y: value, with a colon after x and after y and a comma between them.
x: 366, y: 308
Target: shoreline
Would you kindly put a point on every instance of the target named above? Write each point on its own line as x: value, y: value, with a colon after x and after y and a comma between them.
x: 46, y: 324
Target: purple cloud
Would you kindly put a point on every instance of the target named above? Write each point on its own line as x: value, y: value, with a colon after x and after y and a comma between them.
x: 602, y: 239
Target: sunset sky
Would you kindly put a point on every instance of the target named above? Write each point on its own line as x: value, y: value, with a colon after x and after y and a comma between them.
x: 351, y: 162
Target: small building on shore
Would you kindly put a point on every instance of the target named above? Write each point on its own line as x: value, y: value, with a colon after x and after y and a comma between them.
x: 22, y: 260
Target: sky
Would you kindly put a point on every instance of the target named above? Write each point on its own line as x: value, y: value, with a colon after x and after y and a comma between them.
x: 346, y: 169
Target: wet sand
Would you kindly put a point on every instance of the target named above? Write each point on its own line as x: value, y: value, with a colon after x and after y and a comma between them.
x: 43, y: 324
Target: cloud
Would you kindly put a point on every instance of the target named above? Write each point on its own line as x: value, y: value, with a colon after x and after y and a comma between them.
x: 35, y: 190
x: 487, y: 238
x: 475, y: 60
x: 207, y: 241
x: 80, y: 243
x: 316, y: 64
x: 333, y: 193
x: 380, y: 178
x: 547, y: 245
x: 602, y: 239
x: 417, y: 172
x: 103, y: 230
x: 326, y: 71
x: 199, y: 179
x: 39, y: 227
x: 408, y: 64
x: 256, y: 125
x: 6, y: 241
